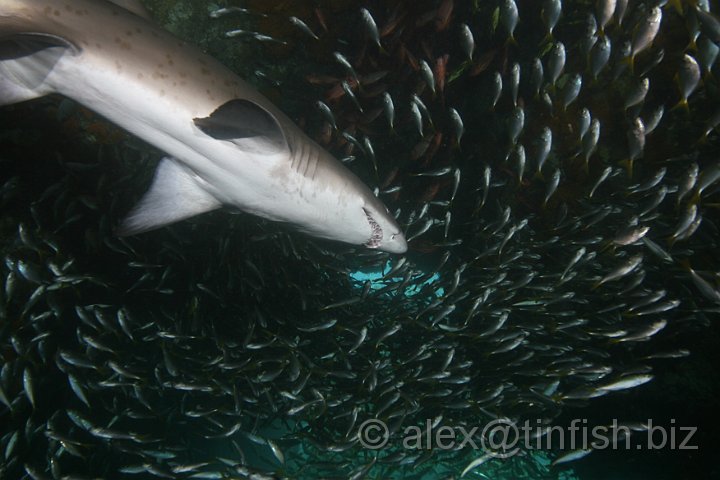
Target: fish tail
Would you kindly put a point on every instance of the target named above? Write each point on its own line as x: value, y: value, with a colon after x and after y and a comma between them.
x: 683, y: 103
x: 685, y: 264
x: 539, y: 176
x: 628, y: 164
x: 709, y: 78
x: 677, y: 5
x: 695, y: 198
x: 630, y: 61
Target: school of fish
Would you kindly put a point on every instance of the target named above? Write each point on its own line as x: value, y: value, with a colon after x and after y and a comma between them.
x: 552, y: 164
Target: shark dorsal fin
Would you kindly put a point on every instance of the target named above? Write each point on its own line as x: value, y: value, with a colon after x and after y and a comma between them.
x: 133, y: 6
x: 246, y: 124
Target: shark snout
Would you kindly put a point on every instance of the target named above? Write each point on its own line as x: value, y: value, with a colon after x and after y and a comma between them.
x: 394, y: 243
x: 386, y: 234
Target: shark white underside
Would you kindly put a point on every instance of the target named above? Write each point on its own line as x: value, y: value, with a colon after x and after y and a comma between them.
x: 225, y: 143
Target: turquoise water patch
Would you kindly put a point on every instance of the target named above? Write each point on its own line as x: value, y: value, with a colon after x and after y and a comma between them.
x: 377, y: 281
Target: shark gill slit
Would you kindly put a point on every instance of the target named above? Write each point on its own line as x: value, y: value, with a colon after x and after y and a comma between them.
x: 310, y: 154
x: 314, y: 158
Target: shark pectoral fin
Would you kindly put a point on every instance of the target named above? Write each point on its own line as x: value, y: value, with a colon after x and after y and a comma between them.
x: 176, y: 193
x: 246, y: 124
x: 26, y: 60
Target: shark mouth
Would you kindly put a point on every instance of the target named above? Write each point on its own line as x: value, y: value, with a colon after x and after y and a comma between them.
x: 377, y: 232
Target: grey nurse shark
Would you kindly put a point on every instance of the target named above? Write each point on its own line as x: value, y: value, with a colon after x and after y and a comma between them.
x: 226, y: 144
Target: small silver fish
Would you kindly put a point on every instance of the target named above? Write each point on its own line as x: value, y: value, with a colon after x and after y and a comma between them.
x: 303, y: 27
x: 552, y: 186
x: 636, y: 142
x: 590, y: 141
x: 389, y: 109
x: 370, y: 26
x: 710, y: 24
x: 688, y: 182
x: 707, y: 54
x: 630, y: 235
x: 519, y: 160
x: 620, y: 10
x: 417, y: 117
x: 646, y: 31
x: 708, y: 290
x: 487, y: 174
x: 657, y: 250
x: 623, y: 270
x: 467, y: 40
x: 327, y: 113
x: 514, y: 82
x: 629, y: 381
x: 685, y: 222
x: 29, y: 386
x: 650, y: 183
x: 653, y: 120
x: 348, y: 91
x: 712, y: 123
x: 583, y: 122
x: 550, y: 14
x: 707, y: 177
x: 589, y: 36
x: 227, y: 11
x: 340, y: 58
x: 604, y: 11
x: 637, y: 93
x: 556, y: 62
x: 576, y: 258
x: 600, y: 55
x: 603, y: 176
x: 621, y: 55
x: 572, y: 455
x: 434, y: 173
x: 536, y: 76
x: 687, y: 78
x: 497, y: 86
x: 544, y: 147
x: 516, y: 122
x: 509, y: 17
x: 256, y: 35
x: 571, y: 89
x: 427, y: 75
x: 457, y: 124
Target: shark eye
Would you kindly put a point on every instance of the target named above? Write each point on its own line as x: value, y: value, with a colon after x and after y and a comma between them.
x: 377, y: 232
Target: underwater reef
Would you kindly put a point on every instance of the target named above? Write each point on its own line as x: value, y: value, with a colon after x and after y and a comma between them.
x: 554, y: 165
